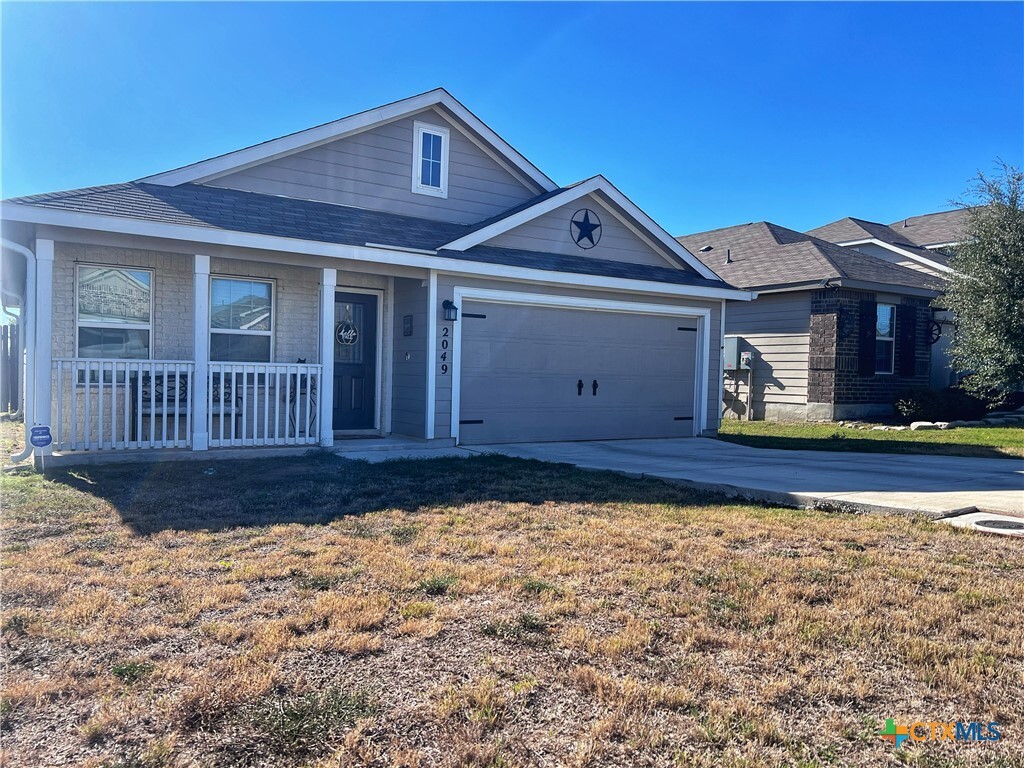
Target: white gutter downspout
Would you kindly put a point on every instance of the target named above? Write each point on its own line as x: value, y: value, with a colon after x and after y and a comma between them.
x: 28, y: 319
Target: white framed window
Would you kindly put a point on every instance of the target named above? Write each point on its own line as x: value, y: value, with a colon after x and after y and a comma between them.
x: 241, y: 320
x: 113, y: 312
x: 430, y: 159
x: 885, y: 338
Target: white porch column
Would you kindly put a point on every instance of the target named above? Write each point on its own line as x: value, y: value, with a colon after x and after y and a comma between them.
x: 431, y: 405
x: 43, y: 351
x: 201, y: 353
x: 328, y: 286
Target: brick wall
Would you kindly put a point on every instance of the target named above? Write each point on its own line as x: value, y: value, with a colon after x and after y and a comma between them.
x: 297, y: 315
x: 297, y: 292
x: 833, y: 360
x: 172, y: 295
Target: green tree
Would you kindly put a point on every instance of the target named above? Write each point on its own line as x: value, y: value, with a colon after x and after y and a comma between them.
x: 986, y: 290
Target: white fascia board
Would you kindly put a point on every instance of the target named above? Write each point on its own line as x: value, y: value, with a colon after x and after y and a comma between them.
x: 595, y: 184
x: 578, y: 302
x: 241, y: 159
x: 379, y: 255
x: 810, y: 285
x: 511, y: 222
x: 507, y: 150
x: 868, y: 285
x: 896, y: 249
x: 673, y: 245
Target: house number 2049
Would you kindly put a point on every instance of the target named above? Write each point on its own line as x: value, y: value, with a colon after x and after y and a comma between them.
x: 444, y: 350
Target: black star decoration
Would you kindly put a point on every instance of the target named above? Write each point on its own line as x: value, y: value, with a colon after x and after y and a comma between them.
x: 587, y: 228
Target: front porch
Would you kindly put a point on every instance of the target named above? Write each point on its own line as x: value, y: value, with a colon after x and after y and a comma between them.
x: 104, y: 405
x: 179, y: 310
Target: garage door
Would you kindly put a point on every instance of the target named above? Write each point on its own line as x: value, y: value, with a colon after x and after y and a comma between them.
x: 532, y: 373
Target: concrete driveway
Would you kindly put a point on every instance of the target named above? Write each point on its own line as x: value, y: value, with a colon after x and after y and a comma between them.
x: 939, y: 486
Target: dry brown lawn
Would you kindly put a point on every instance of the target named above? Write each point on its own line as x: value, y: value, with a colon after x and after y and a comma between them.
x: 486, y: 611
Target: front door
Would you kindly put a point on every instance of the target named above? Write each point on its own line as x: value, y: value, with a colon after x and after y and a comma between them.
x: 355, y: 360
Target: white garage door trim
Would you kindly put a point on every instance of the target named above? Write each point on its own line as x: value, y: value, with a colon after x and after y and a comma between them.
x: 702, y: 315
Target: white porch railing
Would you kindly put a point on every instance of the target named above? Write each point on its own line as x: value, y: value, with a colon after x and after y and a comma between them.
x: 104, y: 404
x: 263, y: 404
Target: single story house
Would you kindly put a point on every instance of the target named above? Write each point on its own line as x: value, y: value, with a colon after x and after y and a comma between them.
x: 403, y: 271
x: 917, y: 242
x: 832, y: 334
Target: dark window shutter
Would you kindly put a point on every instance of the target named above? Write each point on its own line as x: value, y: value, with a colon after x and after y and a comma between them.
x: 866, y: 338
x: 906, y: 330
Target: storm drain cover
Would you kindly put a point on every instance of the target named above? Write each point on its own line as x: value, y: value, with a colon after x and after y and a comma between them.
x: 1002, y: 525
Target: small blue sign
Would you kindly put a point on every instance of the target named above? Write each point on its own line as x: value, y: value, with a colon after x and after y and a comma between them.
x: 40, y: 437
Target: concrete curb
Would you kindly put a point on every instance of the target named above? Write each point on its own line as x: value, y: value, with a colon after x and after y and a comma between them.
x: 59, y: 461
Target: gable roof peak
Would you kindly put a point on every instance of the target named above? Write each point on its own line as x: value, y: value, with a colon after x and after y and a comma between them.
x: 450, y: 107
x: 608, y: 195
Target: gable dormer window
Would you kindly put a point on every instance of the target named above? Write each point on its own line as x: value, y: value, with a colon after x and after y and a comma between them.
x: 430, y: 160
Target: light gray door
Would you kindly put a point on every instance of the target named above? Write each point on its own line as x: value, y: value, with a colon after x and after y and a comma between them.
x: 529, y: 374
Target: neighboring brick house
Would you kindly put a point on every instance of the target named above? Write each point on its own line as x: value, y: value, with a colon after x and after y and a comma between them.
x: 833, y: 333
x: 920, y: 243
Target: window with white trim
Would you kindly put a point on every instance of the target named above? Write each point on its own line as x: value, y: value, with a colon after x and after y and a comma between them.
x: 241, y: 320
x: 885, y: 338
x: 430, y: 160
x: 113, y: 312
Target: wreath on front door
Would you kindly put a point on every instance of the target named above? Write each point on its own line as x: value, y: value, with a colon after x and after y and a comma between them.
x: 346, y: 333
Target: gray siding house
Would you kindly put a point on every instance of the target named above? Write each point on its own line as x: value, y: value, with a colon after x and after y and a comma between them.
x: 403, y: 271
x: 833, y: 333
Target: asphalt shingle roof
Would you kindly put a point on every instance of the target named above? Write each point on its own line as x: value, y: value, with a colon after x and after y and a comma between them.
x: 851, y: 229
x: 765, y: 254
x: 581, y: 264
x: 255, y: 213
x: 848, y: 229
x: 217, y: 208
x: 933, y: 228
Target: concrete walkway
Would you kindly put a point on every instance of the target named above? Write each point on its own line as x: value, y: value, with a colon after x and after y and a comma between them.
x: 938, y: 486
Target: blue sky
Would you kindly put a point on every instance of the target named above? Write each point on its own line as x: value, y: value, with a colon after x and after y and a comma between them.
x: 706, y: 115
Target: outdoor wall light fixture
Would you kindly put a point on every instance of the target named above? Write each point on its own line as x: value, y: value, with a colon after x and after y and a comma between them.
x: 451, y: 312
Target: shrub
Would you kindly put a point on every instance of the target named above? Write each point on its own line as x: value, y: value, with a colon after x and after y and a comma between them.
x: 921, y: 404
x: 1012, y: 402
